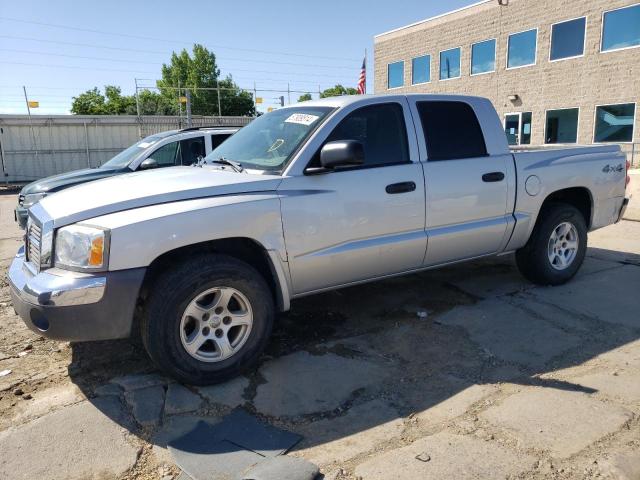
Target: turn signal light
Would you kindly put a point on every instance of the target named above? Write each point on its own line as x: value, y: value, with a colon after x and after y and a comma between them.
x: 97, y: 251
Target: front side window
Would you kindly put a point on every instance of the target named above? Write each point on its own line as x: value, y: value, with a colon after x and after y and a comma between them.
x: 127, y: 156
x: 450, y: 64
x: 562, y: 126
x: 483, y: 57
x: 167, y: 155
x: 567, y: 39
x: 521, y: 50
x: 381, y: 130
x: 395, y: 75
x: 192, y: 149
x: 621, y: 28
x: 269, y: 141
x: 443, y: 123
x: 421, y: 69
x: 614, y: 123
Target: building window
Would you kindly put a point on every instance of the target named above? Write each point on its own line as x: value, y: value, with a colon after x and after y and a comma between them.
x: 517, y: 127
x: 567, y: 39
x: 450, y: 64
x: 521, y: 50
x: 483, y: 57
x: 395, y: 76
x: 614, y: 123
x: 621, y: 28
x: 562, y: 126
x: 421, y: 70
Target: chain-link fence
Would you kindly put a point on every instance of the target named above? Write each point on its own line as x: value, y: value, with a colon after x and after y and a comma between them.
x: 47, y: 145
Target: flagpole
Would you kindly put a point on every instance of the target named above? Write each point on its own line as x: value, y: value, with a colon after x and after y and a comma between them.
x: 365, y: 66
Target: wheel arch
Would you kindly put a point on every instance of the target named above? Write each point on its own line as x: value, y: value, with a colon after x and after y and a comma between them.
x: 579, y: 197
x: 245, y: 249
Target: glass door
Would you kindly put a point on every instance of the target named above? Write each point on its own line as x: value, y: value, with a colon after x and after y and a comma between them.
x: 517, y: 127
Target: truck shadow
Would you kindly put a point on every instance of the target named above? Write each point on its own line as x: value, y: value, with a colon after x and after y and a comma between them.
x: 349, y: 361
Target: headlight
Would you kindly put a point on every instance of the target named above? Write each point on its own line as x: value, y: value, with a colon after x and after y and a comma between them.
x: 32, y: 198
x: 80, y: 247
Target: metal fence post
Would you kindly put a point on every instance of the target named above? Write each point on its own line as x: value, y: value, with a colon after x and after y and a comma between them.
x: 5, y: 174
x: 86, y: 142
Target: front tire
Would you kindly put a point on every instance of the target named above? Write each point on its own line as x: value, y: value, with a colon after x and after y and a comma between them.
x: 557, y: 246
x: 208, y: 319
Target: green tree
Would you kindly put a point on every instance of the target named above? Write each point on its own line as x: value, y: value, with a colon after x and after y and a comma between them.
x: 116, y: 103
x: 337, y: 91
x: 305, y: 97
x: 91, y: 102
x: 197, y: 72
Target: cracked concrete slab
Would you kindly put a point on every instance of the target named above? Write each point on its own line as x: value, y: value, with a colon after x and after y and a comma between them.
x: 302, y: 383
x: 456, y: 404
x: 446, y: 455
x: 80, y: 441
x: 562, y: 422
x: 175, y: 427
x: 622, y: 384
x: 180, y: 399
x: 138, y: 381
x: 510, y: 333
x: 229, y: 393
x: 593, y: 296
x: 146, y: 404
x: 360, y: 430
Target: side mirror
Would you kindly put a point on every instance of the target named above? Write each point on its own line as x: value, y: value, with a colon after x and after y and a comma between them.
x: 341, y: 153
x: 148, y: 164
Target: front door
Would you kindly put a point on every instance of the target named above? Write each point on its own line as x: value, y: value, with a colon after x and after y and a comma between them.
x: 358, y: 223
x: 466, y: 187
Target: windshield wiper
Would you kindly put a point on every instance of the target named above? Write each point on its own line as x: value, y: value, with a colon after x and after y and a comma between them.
x: 237, y: 166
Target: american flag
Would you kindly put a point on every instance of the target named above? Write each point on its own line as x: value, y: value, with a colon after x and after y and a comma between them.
x: 362, y: 81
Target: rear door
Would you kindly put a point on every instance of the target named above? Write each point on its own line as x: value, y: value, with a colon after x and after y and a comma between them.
x: 466, y: 187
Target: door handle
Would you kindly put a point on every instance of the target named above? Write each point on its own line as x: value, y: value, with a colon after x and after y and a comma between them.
x: 402, y: 187
x: 493, y: 177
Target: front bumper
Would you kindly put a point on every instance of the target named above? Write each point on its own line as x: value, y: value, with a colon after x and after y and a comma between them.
x: 72, y: 306
x: 21, y: 216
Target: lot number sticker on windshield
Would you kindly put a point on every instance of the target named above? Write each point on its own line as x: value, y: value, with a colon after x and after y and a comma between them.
x: 302, y: 119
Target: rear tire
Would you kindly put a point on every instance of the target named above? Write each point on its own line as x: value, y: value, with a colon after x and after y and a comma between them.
x: 557, y: 246
x: 208, y: 319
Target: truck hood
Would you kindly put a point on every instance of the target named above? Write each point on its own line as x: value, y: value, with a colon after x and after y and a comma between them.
x: 65, y: 180
x: 141, y: 189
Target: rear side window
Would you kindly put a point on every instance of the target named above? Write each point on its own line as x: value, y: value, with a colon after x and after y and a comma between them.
x: 380, y: 129
x: 217, y: 139
x: 451, y: 131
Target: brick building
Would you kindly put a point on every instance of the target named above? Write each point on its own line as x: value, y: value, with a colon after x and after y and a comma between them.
x: 557, y: 72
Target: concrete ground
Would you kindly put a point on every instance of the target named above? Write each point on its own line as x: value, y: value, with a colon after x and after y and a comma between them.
x: 463, y: 372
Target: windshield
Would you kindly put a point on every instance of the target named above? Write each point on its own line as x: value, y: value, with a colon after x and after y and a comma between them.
x: 268, y: 141
x: 126, y: 156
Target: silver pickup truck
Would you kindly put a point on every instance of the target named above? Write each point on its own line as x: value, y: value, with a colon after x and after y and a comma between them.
x: 308, y: 198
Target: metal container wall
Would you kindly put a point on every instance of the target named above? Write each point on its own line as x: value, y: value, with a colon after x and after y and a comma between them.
x: 48, y: 145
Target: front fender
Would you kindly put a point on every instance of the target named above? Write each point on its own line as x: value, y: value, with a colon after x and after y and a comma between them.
x: 141, y: 235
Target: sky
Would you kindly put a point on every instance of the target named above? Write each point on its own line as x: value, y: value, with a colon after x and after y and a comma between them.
x: 58, y: 49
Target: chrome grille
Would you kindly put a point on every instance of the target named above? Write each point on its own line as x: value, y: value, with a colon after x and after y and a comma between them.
x: 33, y: 241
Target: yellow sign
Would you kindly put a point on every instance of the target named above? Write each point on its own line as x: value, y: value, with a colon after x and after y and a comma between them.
x: 183, y: 99
x: 33, y: 104
x: 270, y: 109
x: 258, y: 99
